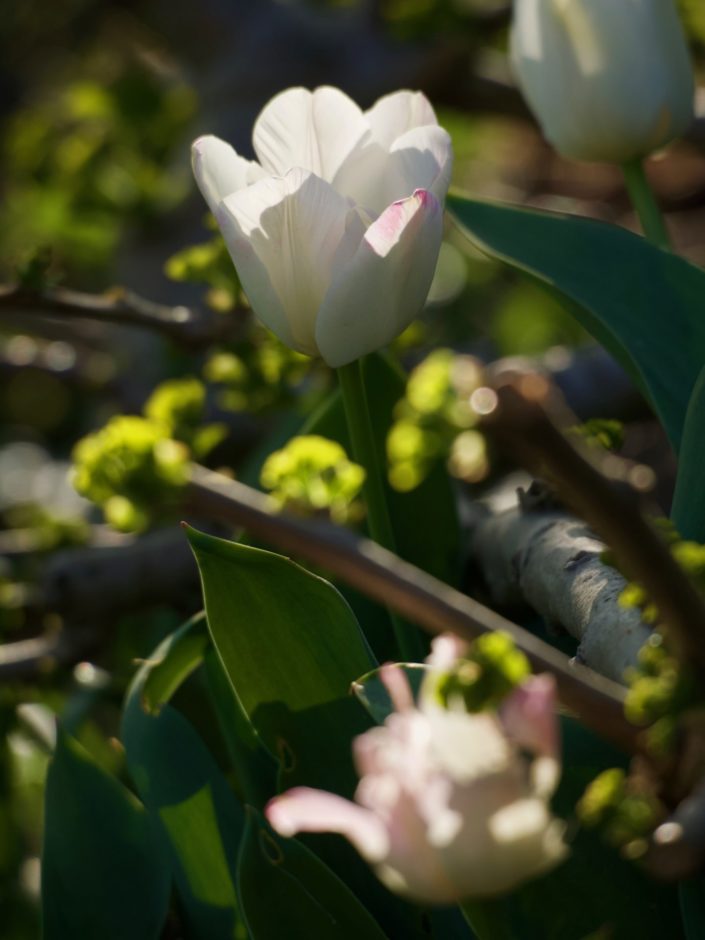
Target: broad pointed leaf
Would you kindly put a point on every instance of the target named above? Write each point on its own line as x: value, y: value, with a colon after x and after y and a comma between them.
x: 645, y: 305
x: 104, y: 872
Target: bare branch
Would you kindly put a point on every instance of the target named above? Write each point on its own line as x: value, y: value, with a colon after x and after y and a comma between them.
x: 186, y: 325
x: 551, y: 561
x: 26, y: 659
x: 413, y: 593
x: 521, y: 426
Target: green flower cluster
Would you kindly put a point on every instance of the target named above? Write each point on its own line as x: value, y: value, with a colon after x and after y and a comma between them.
x: 623, y: 807
x: 256, y: 375
x: 130, y: 467
x: 435, y: 419
x: 660, y: 690
x: 135, y: 466
x: 491, y: 669
x: 207, y: 263
x: 312, y: 474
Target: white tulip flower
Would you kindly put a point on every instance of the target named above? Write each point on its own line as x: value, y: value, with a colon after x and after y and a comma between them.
x: 449, y: 806
x: 608, y: 80
x: 335, y: 232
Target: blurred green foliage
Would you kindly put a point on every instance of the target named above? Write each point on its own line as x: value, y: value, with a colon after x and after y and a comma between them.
x: 260, y: 373
x: 85, y: 159
x: 207, y: 263
x: 435, y: 419
x: 624, y: 808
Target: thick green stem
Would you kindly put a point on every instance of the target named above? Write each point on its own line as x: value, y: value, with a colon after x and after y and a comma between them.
x: 364, y: 452
x: 644, y: 202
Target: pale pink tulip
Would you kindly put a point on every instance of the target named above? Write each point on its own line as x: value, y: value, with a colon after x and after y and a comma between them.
x: 449, y: 805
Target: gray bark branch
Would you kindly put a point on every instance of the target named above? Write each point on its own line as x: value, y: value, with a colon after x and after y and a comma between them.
x: 551, y: 562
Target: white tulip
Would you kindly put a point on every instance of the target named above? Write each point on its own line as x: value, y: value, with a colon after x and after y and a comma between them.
x: 449, y: 806
x: 335, y: 232
x: 608, y: 80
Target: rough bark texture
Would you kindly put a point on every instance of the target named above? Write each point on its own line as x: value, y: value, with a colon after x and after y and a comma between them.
x: 551, y: 561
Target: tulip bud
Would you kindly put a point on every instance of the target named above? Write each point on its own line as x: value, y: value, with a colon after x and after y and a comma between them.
x: 335, y: 233
x: 608, y: 80
x: 449, y: 806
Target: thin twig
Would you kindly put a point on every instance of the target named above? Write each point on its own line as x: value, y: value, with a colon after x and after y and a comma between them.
x: 187, y: 325
x: 37, y: 656
x: 424, y: 600
x: 516, y: 418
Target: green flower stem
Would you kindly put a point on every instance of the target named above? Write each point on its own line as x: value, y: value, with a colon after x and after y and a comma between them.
x: 364, y: 452
x: 644, y: 202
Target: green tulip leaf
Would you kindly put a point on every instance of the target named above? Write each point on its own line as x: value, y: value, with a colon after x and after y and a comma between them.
x: 199, y: 820
x: 645, y: 305
x: 285, y: 890
x: 104, y: 871
x: 692, y: 902
x: 172, y: 663
x: 688, y: 508
x: 291, y: 647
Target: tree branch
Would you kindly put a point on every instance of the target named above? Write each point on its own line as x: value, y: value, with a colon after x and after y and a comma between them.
x: 517, y: 420
x: 186, y: 325
x: 551, y: 561
x: 414, y: 594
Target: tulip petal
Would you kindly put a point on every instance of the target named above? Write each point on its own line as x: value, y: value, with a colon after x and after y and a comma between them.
x: 313, y: 130
x: 529, y: 715
x: 446, y: 650
x: 285, y: 236
x: 378, y: 293
x: 422, y: 158
x: 306, y: 810
x: 395, y: 114
x: 219, y: 170
x: 607, y: 81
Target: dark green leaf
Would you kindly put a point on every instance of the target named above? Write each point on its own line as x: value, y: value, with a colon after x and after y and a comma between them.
x: 291, y: 647
x: 688, y: 509
x: 595, y: 889
x: 255, y: 769
x: 196, y: 813
x: 286, y: 891
x: 104, y: 873
x: 173, y: 662
x: 692, y: 901
x: 644, y: 305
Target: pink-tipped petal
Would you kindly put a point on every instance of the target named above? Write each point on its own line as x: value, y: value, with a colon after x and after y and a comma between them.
x: 374, y: 297
x: 529, y: 715
x: 446, y: 650
x: 219, y: 170
x: 420, y: 158
x: 313, y: 130
x: 397, y: 685
x: 286, y: 236
x: 306, y: 810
